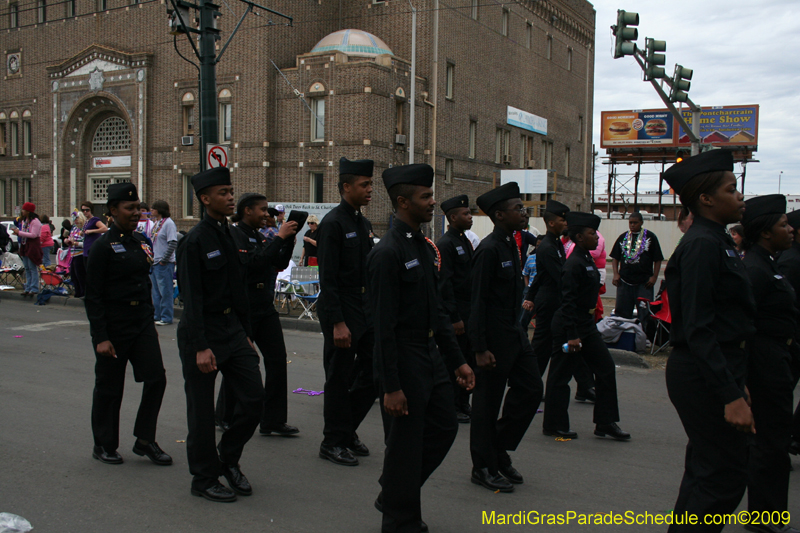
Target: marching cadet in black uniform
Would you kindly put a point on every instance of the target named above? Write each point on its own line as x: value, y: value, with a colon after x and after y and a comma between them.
x: 769, y: 370
x: 120, y: 314
x: 574, y: 325
x: 262, y: 260
x: 789, y: 265
x: 455, y: 286
x: 416, y: 395
x: 503, y: 352
x: 712, y: 306
x: 544, y: 296
x: 214, y: 334
x: 343, y: 242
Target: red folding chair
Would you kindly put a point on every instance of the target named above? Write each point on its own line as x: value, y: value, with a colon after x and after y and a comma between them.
x: 663, y: 319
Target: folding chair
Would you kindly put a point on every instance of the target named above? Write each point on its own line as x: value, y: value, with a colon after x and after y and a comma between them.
x: 11, y: 270
x: 307, y: 293
x: 662, y: 318
x: 54, y: 282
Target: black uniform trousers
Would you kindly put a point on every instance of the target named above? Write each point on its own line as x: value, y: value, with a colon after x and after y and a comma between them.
x: 771, y: 386
x: 491, y: 438
x: 349, y: 385
x: 461, y: 395
x: 417, y: 443
x: 715, y: 474
x: 239, y: 365
x: 794, y: 349
x: 133, y: 335
x: 268, y: 336
x: 562, y: 366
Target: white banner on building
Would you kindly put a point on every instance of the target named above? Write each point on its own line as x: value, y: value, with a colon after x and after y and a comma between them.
x: 530, y: 181
x: 117, y: 161
x: 526, y: 121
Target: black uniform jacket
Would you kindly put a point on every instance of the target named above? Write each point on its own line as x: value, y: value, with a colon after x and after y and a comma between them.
x: 775, y: 296
x: 403, y: 278
x: 262, y: 260
x: 454, y: 277
x: 497, y: 287
x: 580, y: 282
x: 119, y: 272
x: 211, y: 280
x: 550, y: 258
x: 712, y: 305
x: 343, y: 242
x: 789, y: 265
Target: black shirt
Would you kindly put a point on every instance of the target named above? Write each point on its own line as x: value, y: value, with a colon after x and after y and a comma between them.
x: 344, y: 240
x: 310, y: 249
x: 637, y: 270
x: 454, y: 277
x: 550, y: 258
x: 405, y: 302
x: 262, y: 261
x: 712, y: 305
x: 775, y: 297
x: 211, y: 279
x: 580, y: 282
x: 119, y: 271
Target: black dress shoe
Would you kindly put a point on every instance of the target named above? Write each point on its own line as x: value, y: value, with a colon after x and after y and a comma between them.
x: 221, y: 424
x: 770, y: 528
x: 495, y: 482
x: 465, y: 408
x: 284, y: 430
x: 338, y: 455
x: 357, y: 447
x: 588, y: 395
x: 423, y: 527
x: 511, y: 474
x: 568, y: 434
x: 463, y: 418
x: 216, y: 493
x: 153, y: 452
x: 794, y: 448
x: 611, y: 430
x: 111, y: 458
x: 237, y: 480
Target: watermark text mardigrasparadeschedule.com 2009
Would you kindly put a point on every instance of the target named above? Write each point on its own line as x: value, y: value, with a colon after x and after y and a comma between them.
x: 631, y: 518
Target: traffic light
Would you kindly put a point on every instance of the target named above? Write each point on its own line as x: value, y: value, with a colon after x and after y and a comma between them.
x: 624, y: 34
x: 680, y: 84
x: 179, y: 19
x: 652, y: 60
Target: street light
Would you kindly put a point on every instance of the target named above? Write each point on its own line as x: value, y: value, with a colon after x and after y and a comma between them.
x: 779, y: 181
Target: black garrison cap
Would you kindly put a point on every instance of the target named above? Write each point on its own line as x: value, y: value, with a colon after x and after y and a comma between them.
x: 679, y: 174
x: 361, y: 167
x: 416, y: 174
x: 794, y: 219
x: 212, y: 176
x: 121, y: 192
x: 458, y: 201
x: 556, y: 208
x: 504, y: 192
x: 769, y: 204
x: 587, y: 220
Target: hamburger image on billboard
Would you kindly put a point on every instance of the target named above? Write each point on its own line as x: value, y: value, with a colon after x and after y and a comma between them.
x: 619, y: 128
x: 655, y: 127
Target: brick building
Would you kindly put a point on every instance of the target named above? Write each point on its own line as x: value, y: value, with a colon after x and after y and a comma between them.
x: 95, y: 92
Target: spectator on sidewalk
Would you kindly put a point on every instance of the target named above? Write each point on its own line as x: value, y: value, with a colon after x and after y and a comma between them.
x: 29, y: 247
x: 46, y: 240
x: 92, y: 229
x: 164, y: 236
x: 77, y: 263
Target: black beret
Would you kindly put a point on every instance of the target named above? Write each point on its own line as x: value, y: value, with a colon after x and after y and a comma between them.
x: 576, y: 219
x: 416, y: 174
x: 458, y: 201
x: 121, y: 192
x: 556, y: 208
x: 361, y: 167
x: 679, y: 174
x: 212, y: 176
x: 273, y: 212
x: 769, y: 204
x: 504, y: 192
x: 794, y: 219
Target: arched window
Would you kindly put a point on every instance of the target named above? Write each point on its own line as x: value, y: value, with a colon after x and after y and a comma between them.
x: 113, y: 135
x: 225, y: 116
x: 188, y: 114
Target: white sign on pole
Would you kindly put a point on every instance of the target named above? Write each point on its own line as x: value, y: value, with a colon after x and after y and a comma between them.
x: 216, y: 155
x: 527, y: 121
x: 530, y: 181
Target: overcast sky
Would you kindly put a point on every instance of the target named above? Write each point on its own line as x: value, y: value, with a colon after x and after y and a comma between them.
x: 742, y: 52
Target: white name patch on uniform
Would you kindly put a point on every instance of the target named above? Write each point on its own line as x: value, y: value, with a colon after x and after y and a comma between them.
x: 215, y: 253
x: 778, y: 276
x: 118, y: 248
x: 590, y: 268
x: 460, y: 250
x: 253, y: 239
x: 507, y: 264
x: 351, y: 235
x: 731, y: 253
x: 412, y: 264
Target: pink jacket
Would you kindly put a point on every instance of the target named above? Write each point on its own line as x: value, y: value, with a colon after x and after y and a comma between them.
x: 34, y: 228
x: 46, y: 236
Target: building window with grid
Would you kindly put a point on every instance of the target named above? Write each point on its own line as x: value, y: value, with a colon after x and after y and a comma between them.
x: 474, y: 10
x: 498, y: 145
x: 26, y: 191
x: 70, y: 8
x: 2, y: 138
x: 13, y: 15
x: 3, y: 210
x: 14, y: 194
x: 317, y: 119
x: 225, y: 115
x: 569, y: 59
x: 566, y: 161
x: 188, y: 197
x: 580, y: 128
x: 41, y: 11
x: 112, y: 135
x: 27, y: 138
x: 102, y: 5
x: 316, y: 184
x: 547, y: 154
x: 187, y: 102
x: 14, y: 138
x: 506, y: 146
x: 473, y: 138
x: 550, y: 47
x: 399, y: 117
x: 451, y: 72
x: 505, y: 22
x: 448, y: 171
x: 528, y: 35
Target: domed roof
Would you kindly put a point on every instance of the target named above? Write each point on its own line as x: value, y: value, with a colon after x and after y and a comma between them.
x: 353, y: 43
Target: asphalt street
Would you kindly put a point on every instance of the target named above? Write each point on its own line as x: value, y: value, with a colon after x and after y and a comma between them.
x: 50, y: 478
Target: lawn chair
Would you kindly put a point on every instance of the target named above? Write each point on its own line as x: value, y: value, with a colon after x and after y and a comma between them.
x: 662, y: 318
x: 307, y: 294
x: 53, y: 282
x: 11, y: 270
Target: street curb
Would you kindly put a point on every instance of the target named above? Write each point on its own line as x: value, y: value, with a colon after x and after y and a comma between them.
x: 626, y: 358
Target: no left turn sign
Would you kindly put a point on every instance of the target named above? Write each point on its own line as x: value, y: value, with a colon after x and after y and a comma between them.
x: 216, y: 156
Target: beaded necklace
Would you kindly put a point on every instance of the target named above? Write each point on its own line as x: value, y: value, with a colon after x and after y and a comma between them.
x: 631, y: 249
x: 438, y: 261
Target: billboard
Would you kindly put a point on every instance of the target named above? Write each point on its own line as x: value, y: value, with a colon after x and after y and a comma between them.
x: 649, y: 127
x: 724, y: 126
x: 527, y: 121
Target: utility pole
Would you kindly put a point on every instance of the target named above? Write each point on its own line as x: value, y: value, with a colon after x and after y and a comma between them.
x: 413, y: 94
